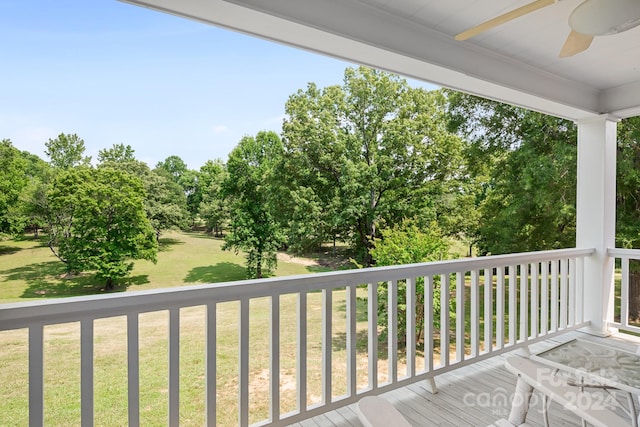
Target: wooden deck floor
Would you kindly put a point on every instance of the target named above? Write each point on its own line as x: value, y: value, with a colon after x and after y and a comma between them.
x: 474, y: 395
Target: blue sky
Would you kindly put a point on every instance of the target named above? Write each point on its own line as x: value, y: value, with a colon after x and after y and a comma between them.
x: 116, y: 73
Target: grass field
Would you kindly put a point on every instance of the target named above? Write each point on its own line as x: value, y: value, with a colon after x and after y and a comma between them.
x: 28, y: 271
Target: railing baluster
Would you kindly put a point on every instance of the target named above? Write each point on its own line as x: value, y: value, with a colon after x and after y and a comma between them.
x: 624, y: 292
x: 475, y: 313
x: 444, y: 320
x: 302, y: 352
x: 327, y: 349
x: 133, y: 369
x: 513, y: 289
x: 544, y: 299
x: 352, y: 349
x: 86, y: 371
x: 36, y: 375
x: 554, y: 296
x: 564, y: 291
x: 572, y: 292
x: 535, y: 302
x: 372, y: 328
x: 174, y: 366
x: 460, y: 306
x: 488, y: 310
x: 211, y: 369
x: 428, y: 323
x: 411, y: 327
x: 580, y: 290
x: 524, y: 302
x: 392, y: 330
x: 274, y: 362
x: 243, y: 368
x: 500, y: 302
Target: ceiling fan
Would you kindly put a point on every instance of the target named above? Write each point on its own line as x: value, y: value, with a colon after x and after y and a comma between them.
x: 591, y: 18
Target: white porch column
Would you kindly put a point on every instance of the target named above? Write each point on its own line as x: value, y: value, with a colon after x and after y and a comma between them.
x: 596, y: 215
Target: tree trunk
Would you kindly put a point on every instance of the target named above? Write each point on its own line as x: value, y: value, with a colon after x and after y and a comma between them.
x: 259, y: 266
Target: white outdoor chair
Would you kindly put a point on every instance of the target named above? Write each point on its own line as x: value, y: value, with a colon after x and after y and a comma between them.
x: 374, y: 411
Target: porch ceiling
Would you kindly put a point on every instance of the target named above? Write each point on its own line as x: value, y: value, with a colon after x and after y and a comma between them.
x: 516, y: 63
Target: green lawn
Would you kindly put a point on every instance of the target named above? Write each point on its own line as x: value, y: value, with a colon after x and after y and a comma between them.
x: 29, y: 271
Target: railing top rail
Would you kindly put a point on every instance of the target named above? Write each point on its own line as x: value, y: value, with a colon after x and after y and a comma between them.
x: 19, y: 315
x: 620, y: 252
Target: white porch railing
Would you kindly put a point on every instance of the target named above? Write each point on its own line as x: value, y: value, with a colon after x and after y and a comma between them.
x: 622, y: 257
x: 500, y: 302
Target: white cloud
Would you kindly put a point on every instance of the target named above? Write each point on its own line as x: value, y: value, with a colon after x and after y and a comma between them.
x: 221, y: 129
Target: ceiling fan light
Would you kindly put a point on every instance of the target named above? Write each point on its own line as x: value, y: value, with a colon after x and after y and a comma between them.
x: 602, y: 17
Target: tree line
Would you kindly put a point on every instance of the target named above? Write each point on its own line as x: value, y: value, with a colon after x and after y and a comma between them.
x: 361, y: 163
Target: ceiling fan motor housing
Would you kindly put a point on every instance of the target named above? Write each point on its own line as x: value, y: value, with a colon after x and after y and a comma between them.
x: 603, y: 17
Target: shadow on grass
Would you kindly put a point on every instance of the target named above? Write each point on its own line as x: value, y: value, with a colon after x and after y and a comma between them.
x: 8, y: 250
x: 339, y: 343
x: 362, y: 308
x: 203, y: 235
x: 141, y: 279
x: 221, y: 272
x: 48, y: 280
x: 165, y: 243
x: 318, y: 269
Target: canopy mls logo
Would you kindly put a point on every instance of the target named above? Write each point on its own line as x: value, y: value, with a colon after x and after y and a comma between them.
x: 498, y: 401
x: 581, y: 395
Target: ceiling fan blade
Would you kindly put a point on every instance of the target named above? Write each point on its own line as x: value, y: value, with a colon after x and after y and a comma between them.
x: 575, y: 43
x: 504, y: 18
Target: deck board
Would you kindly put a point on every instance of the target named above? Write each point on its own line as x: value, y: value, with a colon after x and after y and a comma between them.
x: 488, y: 388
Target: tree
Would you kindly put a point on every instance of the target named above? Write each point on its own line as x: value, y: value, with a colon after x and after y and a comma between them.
x: 66, y: 151
x: 98, y: 222
x: 174, y: 168
x: 31, y: 209
x: 253, y: 227
x: 22, y: 176
x: 524, y: 164
x: 119, y: 153
x: 365, y: 155
x: 213, y: 208
x: 13, y: 178
x: 164, y: 203
x: 408, y: 243
x: 192, y: 190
